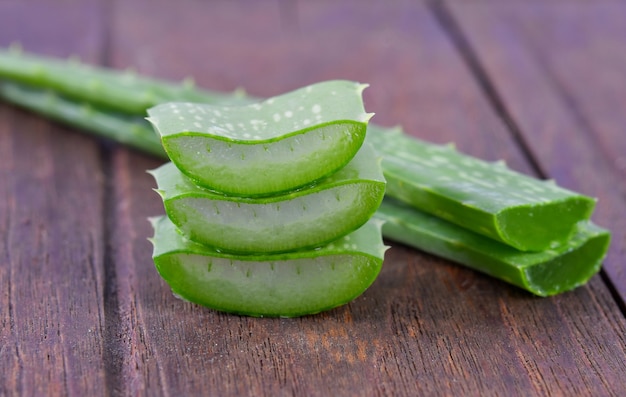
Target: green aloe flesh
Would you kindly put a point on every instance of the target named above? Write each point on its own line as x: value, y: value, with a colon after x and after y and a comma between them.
x: 304, y: 218
x: 488, y: 198
x: 543, y: 273
x: 271, y: 285
x: 276, y: 145
x: 125, y: 92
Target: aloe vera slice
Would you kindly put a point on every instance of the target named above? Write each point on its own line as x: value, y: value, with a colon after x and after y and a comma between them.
x: 273, y: 146
x: 487, y: 198
x: 542, y: 273
x: 271, y: 285
x: 305, y: 218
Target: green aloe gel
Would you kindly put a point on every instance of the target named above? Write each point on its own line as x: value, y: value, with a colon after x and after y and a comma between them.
x: 304, y: 218
x: 274, y: 285
x: 276, y: 145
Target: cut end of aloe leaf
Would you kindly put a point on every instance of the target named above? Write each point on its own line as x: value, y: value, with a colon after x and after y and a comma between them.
x: 301, y: 219
x: 246, y: 150
x: 574, y: 267
x: 283, y: 285
x: 542, y: 273
x: 526, y: 227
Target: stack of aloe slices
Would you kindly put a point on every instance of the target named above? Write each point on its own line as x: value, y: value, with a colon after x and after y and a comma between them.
x: 482, y: 215
x: 269, y: 204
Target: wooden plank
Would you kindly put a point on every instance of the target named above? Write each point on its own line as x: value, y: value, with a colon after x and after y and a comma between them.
x: 426, y: 326
x: 51, y: 189
x: 559, y: 70
x: 137, y: 306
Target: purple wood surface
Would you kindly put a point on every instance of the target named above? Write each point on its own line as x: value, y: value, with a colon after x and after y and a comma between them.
x: 52, y: 274
x: 85, y: 312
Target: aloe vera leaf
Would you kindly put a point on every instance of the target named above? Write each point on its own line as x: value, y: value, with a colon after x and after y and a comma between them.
x: 271, y: 285
x: 246, y: 150
x: 125, y: 92
x: 488, y: 198
x: 304, y: 218
x: 542, y: 273
x: 128, y: 130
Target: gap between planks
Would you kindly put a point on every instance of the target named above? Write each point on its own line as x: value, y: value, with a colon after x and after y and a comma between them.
x: 451, y: 27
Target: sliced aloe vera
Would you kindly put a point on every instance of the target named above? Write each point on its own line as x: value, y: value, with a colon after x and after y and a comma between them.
x: 304, y: 218
x: 272, y: 285
x: 543, y: 273
x: 487, y: 198
x: 272, y: 146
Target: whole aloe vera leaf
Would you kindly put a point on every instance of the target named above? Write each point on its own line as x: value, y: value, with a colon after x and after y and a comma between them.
x: 272, y: 285
x: 276, y: 145
x: 304, y: 218
x: 488, y: 198
x: 542, y: 273
x: 125, y: 92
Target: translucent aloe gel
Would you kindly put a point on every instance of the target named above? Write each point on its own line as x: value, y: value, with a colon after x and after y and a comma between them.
x: 305, y: 218
x: 280, y: 144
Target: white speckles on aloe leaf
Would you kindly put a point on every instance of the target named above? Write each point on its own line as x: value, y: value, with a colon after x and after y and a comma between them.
x: 245, y: 150
x: 543, y: 273
x: 286, y: 285
x: 300, y: 219
x: 488, y: 198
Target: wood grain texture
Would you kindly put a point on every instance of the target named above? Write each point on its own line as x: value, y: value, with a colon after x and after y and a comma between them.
x: 559, y: 71
x: 426, y: 326
x: 83, y: 311
x: 51, y: 189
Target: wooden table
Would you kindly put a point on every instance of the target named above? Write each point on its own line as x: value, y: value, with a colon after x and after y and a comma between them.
x: 540, y: 84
